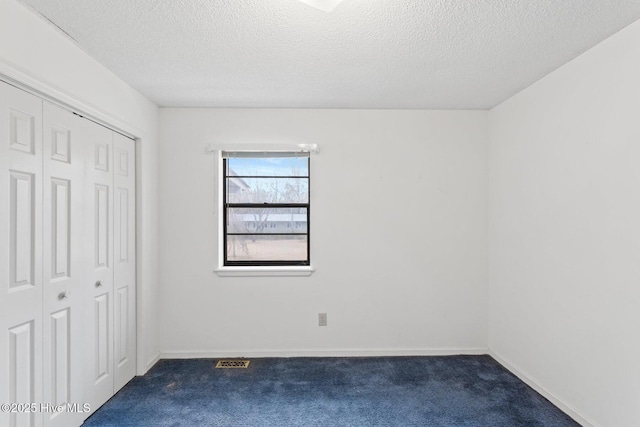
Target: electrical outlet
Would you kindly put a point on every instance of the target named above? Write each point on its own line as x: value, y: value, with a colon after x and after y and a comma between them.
x: 322, y: 319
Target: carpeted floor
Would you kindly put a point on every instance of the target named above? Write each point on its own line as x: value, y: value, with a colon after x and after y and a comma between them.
x: 378, y: 391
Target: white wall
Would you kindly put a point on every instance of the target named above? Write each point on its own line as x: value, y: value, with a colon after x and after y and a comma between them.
x: 565, y: 232
x: 398, y: 233
x: 37, y: 55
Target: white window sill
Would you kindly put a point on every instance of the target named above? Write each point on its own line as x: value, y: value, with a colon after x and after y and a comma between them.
x: 264, y: 271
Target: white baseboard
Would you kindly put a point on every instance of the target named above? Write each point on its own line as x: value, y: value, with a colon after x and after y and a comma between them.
x: 152, y: 362
x: 195, y: 354
x: 531, y: 382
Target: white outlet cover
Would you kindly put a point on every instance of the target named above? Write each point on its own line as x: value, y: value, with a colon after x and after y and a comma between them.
x: 322, y: 319
x: 324, y: 5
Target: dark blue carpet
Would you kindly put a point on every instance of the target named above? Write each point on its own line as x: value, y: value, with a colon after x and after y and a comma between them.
x: 378, y: 391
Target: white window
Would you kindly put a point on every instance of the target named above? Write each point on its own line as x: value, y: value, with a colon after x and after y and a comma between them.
x: 262, y: 192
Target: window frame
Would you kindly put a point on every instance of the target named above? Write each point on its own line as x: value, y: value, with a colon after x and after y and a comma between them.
x: 257, y: 266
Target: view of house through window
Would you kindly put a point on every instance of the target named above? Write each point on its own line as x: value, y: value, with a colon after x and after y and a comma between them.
x: 266, y: 208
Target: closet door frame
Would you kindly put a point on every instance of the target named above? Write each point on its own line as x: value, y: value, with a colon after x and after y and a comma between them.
x: 25, y: 81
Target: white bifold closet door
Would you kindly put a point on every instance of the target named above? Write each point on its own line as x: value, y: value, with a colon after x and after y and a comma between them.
x: 64, y: 261
x: 111, y: 305
x: 124, y: 261
x: 67, y: 262
x: 99, y: 244
x: 20, y: 255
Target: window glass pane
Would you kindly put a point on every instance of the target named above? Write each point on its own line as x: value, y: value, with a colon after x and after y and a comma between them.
x: 267, y: 248
x: 266, y: 220
x: 270, y: 166
x: 267, y: 190
x: 261, y: 234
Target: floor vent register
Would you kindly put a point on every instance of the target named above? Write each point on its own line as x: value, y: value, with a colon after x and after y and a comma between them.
x: 233, y: 363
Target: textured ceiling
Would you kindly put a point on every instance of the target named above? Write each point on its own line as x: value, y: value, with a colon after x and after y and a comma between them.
x: 440, y: 54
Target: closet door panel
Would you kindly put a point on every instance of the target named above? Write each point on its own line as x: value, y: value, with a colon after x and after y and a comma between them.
x: 99, y: 305
x: 67, y: 262
x: 124, y: 261
x: 20, y: 254
x: 63, y: 261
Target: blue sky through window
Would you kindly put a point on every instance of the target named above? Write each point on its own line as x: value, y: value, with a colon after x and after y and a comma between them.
x: 270, y: 166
